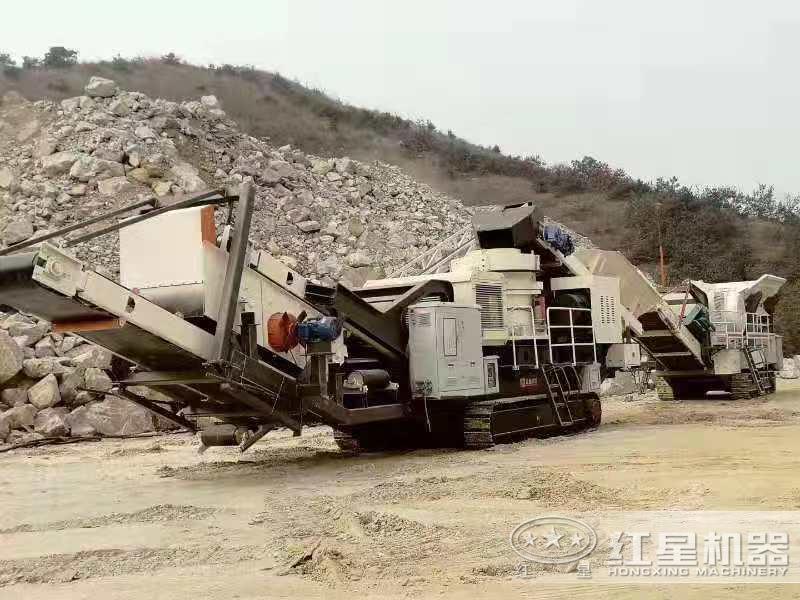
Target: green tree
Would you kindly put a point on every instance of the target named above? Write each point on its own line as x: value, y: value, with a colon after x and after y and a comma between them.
x: 58, y: 57
x: 787, y: 316
x: 701, y: 241
x: 171, y: 59
x: 31, y: 62
x: 6, y: 60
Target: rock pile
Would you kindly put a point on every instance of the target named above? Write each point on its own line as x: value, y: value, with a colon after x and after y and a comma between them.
x: 327, y: 218
x: 56, y: 384
x: 64, y: 162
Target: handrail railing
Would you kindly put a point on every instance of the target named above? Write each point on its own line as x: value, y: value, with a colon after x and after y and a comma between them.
x: 730, y: 321
x: 733, y: 330
x: 573, y: 344
x: 433, y: 257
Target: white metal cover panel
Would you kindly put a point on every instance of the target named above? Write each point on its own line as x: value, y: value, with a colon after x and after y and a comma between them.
x: 163, y: 251
x: 729, y: 361
x: 445, y: 350
x: 623, y: 356
x: 496, y: 259
x: 112, y: 297
x: 604, y: 294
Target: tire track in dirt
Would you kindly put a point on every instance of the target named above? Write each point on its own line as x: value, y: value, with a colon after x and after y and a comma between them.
x: 152, y: 514
x: 62, y: 568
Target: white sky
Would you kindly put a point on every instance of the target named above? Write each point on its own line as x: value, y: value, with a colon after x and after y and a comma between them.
x: 704, y: 90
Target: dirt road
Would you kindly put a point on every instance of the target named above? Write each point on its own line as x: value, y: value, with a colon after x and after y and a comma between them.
x: 151, y: 518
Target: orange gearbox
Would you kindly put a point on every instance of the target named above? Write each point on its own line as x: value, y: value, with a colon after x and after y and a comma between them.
x: 282, y: 331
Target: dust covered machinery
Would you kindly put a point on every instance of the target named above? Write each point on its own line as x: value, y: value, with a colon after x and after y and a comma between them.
x: 739, y: 350
x: 702, y: 338
x: 511, y: 340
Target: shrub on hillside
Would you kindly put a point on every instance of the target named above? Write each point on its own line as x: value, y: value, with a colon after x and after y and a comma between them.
x: 787, y: 316
x: 700, y: 241
x: 171, y: 59
x: 58, y: 57
x: 31, y: 62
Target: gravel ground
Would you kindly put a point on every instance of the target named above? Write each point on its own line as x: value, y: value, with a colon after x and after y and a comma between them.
x: 293, y: 518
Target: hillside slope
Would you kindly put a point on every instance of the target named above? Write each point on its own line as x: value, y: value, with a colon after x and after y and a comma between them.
x: 268, y: 105
x: 714, y: 234
x: 342, y: 219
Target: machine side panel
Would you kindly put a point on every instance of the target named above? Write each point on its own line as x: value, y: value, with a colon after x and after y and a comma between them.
x: 115, y: 299
x: 166, y: 251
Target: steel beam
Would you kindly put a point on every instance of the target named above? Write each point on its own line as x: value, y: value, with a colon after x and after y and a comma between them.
x: 263, y: 408
x: 229, y: 298
x: 69, y: 229
x: 197, y: 200
x: 254, y: 437
x: 155, y: 409
x: 330, y: 411
x: 167, y: 378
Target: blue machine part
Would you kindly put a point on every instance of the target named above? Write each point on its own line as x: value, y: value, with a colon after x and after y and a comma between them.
x: 320, y: 329
x: 559, y: 238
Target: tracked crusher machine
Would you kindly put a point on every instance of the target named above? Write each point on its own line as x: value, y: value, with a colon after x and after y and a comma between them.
x: 499, y: 332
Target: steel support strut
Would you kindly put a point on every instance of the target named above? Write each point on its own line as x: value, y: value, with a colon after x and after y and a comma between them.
x: 229, y: 298
x: 204, y: 198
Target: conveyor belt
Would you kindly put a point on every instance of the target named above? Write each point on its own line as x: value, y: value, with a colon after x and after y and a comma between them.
x: 18, y: 290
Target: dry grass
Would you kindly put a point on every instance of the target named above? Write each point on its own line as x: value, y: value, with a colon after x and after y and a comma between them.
x: 268, y: 105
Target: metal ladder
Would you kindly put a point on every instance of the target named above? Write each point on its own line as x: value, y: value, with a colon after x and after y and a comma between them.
x: 556, y: 393
x: 754, y: 369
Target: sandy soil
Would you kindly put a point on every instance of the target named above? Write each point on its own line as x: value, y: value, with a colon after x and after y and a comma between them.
x: 151, y: 518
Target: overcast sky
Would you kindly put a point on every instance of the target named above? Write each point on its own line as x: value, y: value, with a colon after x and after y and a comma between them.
x: 707, y: 91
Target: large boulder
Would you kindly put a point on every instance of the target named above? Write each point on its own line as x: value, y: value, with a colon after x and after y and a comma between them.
x: 621, y: 384
x: 359, y: 258
x: 37, y: 368
x: 86, y: 167
x: 114, y: 186
x: 17, y: 230
x: 345, y: 166
x: 70, y: 384
x: 6, y: 178
x: 45, y: 348
x: 282, y: 168
x: 85, y: 357
x: 52, y: 422
x: 20, y: 417
x: 100, y: 87
x: 59, y: 163
x: 270, y: 176
x: 112, y: 417
x: 11, y: 357
x: 210, y: 101
x: 29, y: 332
x: 188, y: 178
x: 145, y: 133
x: 45, y: 393
x: 16, y: 396
x: 321, y: 167
x: 121, y: 106
x: 97, y: 380
x: 80, y: 423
